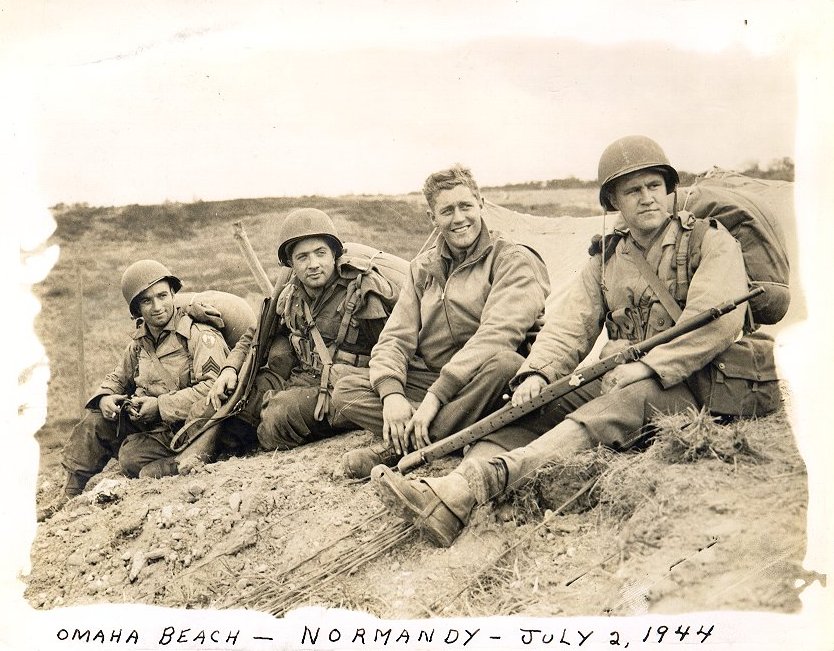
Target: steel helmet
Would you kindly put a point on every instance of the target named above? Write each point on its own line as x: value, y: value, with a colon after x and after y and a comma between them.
x: 631, y: 154
x: 306, y: 222
x: 141, y: 275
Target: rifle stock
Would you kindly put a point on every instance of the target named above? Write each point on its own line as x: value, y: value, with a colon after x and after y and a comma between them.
x: 509, y: 413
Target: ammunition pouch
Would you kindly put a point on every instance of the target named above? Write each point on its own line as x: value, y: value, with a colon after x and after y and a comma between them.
x: 306, y: 353
x: 741, y: 381
x: 624, y: 323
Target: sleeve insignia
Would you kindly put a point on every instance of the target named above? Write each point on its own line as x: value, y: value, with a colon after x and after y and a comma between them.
x: 208, y: 339
x: 210, y: 366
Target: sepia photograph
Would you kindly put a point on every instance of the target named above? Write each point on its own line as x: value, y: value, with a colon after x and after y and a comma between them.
x: 418, y: 325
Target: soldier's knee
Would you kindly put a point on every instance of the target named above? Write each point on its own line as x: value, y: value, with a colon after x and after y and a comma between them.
x: 352, y: 383
x: 276, y: 431
x: 348, y: 390
x: 130, y: 462
x: 275, y: 412
x: 504, y: 363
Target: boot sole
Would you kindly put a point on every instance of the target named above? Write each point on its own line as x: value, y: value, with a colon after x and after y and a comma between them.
x: 398, y: 503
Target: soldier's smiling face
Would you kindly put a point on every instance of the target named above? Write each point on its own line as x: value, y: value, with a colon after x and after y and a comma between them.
x: 457, y: 215
x: 156, y: 304
x: 641, y: 199
x: 313, y: 263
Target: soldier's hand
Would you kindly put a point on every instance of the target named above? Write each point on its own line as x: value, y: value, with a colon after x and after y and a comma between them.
x: 623, y: 375
x: 147, y: 409
x: 396, y: 412
x: 418, y: 425
x: 222, y: 388
x: 528, y: 389
x: 111, y: 405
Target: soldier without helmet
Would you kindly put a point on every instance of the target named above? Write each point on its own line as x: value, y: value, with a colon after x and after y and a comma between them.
x: 161, y: 382
x: 725, y: 366
x: 466, y: 312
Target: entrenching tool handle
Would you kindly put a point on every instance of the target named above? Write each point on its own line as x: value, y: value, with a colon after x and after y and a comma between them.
x: 509, y: 413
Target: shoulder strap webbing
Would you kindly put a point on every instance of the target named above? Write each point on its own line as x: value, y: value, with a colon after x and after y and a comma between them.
x: 682, y: 264
x: 351, y: 297
x: 323, y: 401
x: 657, y: 286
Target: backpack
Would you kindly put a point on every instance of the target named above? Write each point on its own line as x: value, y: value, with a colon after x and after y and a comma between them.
x: 752, y: 211
x: 357, y: 259
x: 236, y: 314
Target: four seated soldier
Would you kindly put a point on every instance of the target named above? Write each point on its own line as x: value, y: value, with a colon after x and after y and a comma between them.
x: 455, y: 341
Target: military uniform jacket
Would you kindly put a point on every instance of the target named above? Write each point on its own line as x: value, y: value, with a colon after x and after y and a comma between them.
x: 452, y: 322
x: 630, y: 311
x: 327, y: 310
x: 190, y: 356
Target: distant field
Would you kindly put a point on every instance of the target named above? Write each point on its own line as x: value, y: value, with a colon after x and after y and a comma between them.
x: 573, y: 202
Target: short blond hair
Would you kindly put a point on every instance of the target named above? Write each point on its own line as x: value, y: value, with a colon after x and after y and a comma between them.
x: 447, y: 179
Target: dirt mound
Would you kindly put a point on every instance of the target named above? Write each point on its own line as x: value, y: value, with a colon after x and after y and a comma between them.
x: 663, y: 530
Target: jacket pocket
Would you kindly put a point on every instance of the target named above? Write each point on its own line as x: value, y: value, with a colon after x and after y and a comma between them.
x: 741, y: 381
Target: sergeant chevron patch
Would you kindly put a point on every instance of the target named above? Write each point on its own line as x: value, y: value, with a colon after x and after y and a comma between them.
x: 211, y: 366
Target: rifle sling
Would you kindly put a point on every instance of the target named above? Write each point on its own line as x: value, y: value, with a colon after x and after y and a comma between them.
x: 650, y: 276
x: 323, y: 401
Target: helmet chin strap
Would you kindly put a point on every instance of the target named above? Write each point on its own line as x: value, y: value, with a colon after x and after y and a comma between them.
x: 602, y: 253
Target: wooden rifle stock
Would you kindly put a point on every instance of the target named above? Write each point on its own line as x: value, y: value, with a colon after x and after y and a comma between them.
x: 509, y: 413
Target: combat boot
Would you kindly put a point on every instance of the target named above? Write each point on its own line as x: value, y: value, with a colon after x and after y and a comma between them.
x: 358, y: 463
x: 74, y: 484
x: 165, y: 467
x: 439, y: 507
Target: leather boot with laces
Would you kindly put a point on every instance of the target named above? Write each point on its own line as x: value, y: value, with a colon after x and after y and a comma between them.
x: 74, y: 484
x: 358, y: 463
x: 440, y: 509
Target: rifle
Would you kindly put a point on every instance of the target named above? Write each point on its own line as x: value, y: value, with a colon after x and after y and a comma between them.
x: 197, y: 439
x: 510, y: 413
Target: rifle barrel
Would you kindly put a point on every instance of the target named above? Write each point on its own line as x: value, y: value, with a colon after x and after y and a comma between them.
x: 509, y: 413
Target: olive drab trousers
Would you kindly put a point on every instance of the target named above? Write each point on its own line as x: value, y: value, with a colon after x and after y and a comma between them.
x: 95, y: 440
x: 356, y: 401
x: 286, y: 419
x: 617, y: 419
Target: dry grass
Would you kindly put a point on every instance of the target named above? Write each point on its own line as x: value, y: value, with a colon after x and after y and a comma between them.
x: 636, y: 497
x: 693, y: 435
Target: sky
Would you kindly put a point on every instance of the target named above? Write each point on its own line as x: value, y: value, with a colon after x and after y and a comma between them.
x: 120, y: 104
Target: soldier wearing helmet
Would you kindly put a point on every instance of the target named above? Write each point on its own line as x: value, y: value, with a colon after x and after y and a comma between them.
x: 322, y: 313
x: 160, y: 382
x: 628, y: 286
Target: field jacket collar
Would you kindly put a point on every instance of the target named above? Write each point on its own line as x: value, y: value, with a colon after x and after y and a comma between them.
x: 441, y: 261
x: 317, y: 302
x: 179, y: 323
x: 668, y: 238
